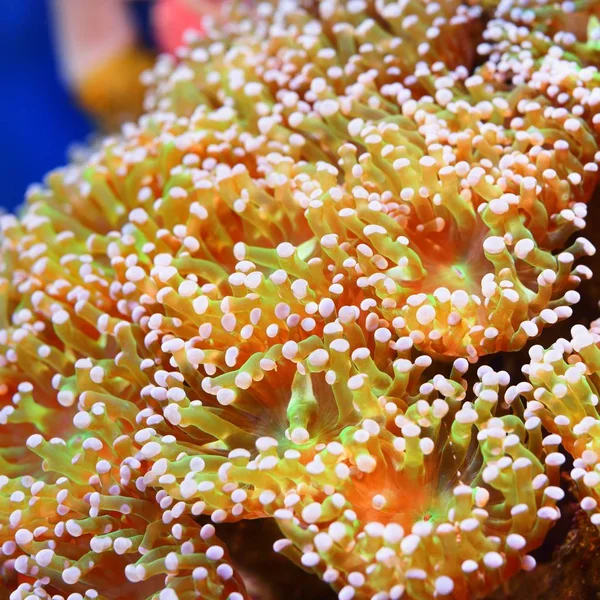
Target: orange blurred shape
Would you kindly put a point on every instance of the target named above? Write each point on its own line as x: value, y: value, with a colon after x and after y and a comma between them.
x: 173, y: 17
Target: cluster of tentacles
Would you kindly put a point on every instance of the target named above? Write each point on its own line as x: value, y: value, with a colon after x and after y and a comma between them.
x: 231, y: 310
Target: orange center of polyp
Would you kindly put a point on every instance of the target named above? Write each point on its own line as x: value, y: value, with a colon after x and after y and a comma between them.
x: 406, y: 500
x: 455, y: 264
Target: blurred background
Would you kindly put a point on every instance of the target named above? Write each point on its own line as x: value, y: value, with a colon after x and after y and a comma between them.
x: 69, y: 69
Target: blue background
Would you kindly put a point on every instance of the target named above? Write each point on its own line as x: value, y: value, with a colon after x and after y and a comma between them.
x: 38, y: 118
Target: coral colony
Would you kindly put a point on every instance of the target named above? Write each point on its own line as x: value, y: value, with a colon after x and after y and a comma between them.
x: 232, y: 310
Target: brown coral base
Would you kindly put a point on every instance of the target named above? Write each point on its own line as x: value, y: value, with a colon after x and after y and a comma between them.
x: 571, y: 574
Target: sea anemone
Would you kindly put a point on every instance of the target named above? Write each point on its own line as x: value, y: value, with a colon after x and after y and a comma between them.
x: 379, y: 479
x: 451, y: 193
x: 231, y: 310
